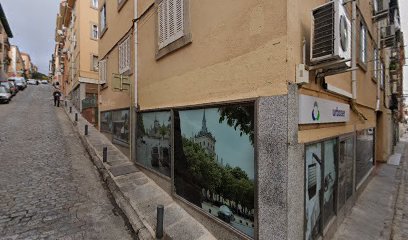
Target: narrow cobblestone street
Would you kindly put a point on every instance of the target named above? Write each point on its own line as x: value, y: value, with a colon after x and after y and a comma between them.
x: 49, y: 188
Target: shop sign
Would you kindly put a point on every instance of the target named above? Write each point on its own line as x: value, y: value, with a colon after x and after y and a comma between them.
x: 314, y: 110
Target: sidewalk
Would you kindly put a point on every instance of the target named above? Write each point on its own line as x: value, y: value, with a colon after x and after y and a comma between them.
x: 136, y: 194
x: 373, y: 216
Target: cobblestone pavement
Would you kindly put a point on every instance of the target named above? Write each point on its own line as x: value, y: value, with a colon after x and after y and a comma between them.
x: 49, y: 188
x: 400, y: 221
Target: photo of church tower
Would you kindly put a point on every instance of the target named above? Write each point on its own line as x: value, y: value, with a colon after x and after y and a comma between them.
x: 205, y: 138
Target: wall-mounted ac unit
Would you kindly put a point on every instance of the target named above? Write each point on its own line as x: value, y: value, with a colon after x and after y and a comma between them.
x: 331, y: 34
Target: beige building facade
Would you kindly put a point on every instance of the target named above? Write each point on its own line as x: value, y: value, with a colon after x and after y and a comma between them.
x: 27, y: 64
x: 116, y: 70
x: 262, y: 119
x: 5, y: 35
x: 76, y: 54
x: 16, y: 67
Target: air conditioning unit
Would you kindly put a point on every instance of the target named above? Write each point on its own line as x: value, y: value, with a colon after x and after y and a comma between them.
x: 331, y: 34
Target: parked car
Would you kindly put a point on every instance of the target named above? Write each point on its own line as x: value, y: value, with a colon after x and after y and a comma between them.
x: 13, y: 87
x: 32, y: 82
x: 225, y: 214
x: 44, y: 81
x: 5, y: 96
x: 9, y: 87
x: 20, y: 83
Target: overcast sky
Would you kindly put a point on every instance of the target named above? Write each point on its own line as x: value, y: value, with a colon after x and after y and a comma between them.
x: 33, y: 25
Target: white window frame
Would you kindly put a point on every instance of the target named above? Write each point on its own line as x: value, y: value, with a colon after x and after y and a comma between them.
x: 102, y: 72
x: 94, y: 31
x: 124, y: 55
x: 170, y: 15
x: 94, y: 62
x: 102, y: 19
x: 363, y: 44
x: 376, y: 56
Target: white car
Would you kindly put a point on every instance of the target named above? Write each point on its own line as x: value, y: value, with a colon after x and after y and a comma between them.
x: 44, y: 81
x: 32, y: 82
x: 5, y: 96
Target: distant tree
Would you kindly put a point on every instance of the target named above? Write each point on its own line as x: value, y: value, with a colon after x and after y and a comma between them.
x: 38, y: 75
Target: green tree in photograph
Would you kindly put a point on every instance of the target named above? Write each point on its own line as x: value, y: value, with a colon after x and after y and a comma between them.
x: 241, y: 117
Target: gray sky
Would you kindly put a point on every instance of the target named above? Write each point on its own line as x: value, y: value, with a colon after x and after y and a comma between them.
x: 33, y: 25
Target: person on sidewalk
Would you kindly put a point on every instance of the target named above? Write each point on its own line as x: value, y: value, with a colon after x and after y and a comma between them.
x: 57, y: 96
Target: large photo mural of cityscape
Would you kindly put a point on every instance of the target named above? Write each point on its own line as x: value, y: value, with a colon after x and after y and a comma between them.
x: 153, y: 143
x: 214, y: 162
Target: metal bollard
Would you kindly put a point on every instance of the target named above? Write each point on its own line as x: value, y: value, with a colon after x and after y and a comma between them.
x: 160, y: 217
x: 70, y: 109
x: 86, y: 129
x: 65, y: 103
x: 105, y: 154
x: 76, y: 117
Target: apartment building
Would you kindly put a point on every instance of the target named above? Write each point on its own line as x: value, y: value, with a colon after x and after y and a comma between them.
x: 116, y: 70
x: 76, y: 54
x: 5, y: 34
x: 16, y: 67
x: 27, y: 64
x: 263, y: 119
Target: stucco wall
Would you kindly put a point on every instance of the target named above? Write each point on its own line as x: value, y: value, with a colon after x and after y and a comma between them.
x: 119, y: 24
x: 87, y: 46
x: 238, y: 51
x: 299, y: 28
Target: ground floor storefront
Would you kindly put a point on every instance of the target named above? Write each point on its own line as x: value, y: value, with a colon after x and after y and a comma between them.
x: 278, y: 167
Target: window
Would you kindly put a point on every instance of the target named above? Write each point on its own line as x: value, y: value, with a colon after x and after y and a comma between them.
x: 102, y: 72
x: 94, y: 3
x: 95, y: 63
x: 124, y: 56
x: 363, y: 44
x: 171, y: 21
x: 382, y: 74
x: 94, y: 31
x: 102, y: 19
x: 375, y: 63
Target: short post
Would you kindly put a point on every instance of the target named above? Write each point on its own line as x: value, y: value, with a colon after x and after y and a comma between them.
x: 86, y: 129
x: 65, y: 103
x: 70, y: 109
x: 105, y: 154
x: 160, y: 216
x: 76, y: 117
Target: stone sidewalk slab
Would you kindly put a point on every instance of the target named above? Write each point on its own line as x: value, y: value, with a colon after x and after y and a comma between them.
x: 135, y: 193
x: 372, y: 216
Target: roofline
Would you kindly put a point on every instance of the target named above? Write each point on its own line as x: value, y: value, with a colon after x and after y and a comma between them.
x: 5, y: 23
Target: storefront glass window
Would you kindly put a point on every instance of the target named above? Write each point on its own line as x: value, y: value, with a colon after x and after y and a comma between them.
x: 313, y: 187
x: 120, y: 125
x: 364, y: 153
x: 345, y: 170
x: 153, y: 143
x: 214, y: 162
x: 106, y: 122
x: 329, y: 180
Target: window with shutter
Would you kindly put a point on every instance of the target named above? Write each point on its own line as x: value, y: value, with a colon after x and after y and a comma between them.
x: 171, y: 21
x: 124, y: 56
x: 102, y: 72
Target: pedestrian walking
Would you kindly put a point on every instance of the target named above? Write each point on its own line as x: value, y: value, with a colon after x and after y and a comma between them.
x: 57, y: 96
